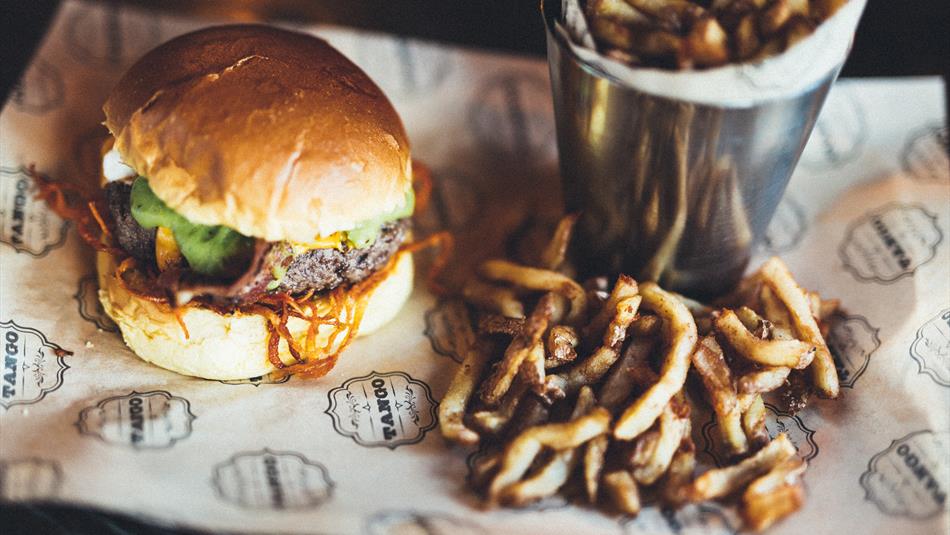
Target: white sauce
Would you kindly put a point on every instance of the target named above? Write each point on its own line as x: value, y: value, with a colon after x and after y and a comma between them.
x: 113, y: 168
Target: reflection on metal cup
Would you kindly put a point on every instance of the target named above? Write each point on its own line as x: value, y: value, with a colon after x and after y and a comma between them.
x: 670, y: 190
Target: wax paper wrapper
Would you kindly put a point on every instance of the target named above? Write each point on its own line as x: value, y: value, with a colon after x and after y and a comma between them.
x: 866, y: 219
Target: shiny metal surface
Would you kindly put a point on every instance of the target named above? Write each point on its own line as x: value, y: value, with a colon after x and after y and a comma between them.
x: 670, y: 190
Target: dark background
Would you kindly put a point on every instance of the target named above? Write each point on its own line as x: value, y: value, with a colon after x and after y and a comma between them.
x: 895, y: 38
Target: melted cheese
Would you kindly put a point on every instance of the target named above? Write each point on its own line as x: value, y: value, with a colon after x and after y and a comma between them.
x: 333, y: 241
x: 167, y: 253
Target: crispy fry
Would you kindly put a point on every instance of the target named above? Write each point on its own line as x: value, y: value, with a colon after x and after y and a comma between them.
x: 759, y: 326
x: 531, y: 370
x: 594, y: 455
x: 561, y: 346
x: 753, y: 423
x: 780, y: 281
x: 710, y: 363
x: 494, y: 298
x: 645, y: 326
x: 520, y: 453
x: 674, y: 424
x: 555, y: 471
x: 538, y: 279
x: 494, y: 421
x: 707, y: 44
x: 475, y: 357
x: 618, y: 385
x: 680, y: 330
x: 553, y: 255
x: 623, y: 491
x: 790, y: 353
x: 764, y: 380
x: 776, y: 314
x: 746, y: 38
x: 498, y: 324
x: 624, y: 288
x: 616, y: 10
x: 675, y: 485
x: 504, y: 372
x: 774, y: 496
x: 721, y: 482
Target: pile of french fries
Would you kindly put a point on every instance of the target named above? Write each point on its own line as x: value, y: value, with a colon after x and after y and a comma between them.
x: 685, y: 34
x: 582, y: 389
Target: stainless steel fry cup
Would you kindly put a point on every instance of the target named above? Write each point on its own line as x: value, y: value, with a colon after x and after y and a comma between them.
x: 670, y: 190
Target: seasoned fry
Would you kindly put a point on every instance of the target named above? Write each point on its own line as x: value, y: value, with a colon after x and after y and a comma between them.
x: 494, y: 421
x: 675, y: 485
x: 620, y: 382
x: 707, y: 44
x: 594, y: 454
x: 674, y: 424
x: 553, y: 255
x: 520, y: 453
x: 624, y: 288
x: 776, y: 314
x: 780, y: 281
x: 618, y: 11
x: 764, y: 380
x: 680, y: 330
x: 555, y: 472
x: 721, y: 482
x: 494, y: 298
x: 790, y: 353
x: 475, y: 357
x: 759, y: 326
x: 498, y: 324
x: 644, y: 326
x: 753, y: 423
x: 504, y: 372
x: 531, y: 370
x: 561, y: 346
x: 623, y: 491
x: 774, y: 496
x: 538, y: 279
x: 710, y: 363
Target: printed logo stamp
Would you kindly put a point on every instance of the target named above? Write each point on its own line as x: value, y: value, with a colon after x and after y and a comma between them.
x: 925, y: 154
x: 32, y: 365
x: 26, y: 224
x: 274, y: 480
x: 405, y: 522
x: 852, y: 341
x: 30, y: 479
x: 140, y: 420
x: 787, y: 227
x: 101, y: 35
x: 911, y: 477
x: 442, y: 324
x: 512, y: 116
x: 931, y: 348
x: 890, y: 243
x: 708, y: 519
x: 269, y: 379
x: 90, y: 309
x: 383, y: 409
x: 776, y: 421
x: 840, y: 133
x: 40, y: 90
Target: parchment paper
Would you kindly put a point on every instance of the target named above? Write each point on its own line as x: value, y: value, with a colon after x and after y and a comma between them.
x: 866, y: 219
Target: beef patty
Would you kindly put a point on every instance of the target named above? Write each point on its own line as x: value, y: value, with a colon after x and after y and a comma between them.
x: 316, y: 269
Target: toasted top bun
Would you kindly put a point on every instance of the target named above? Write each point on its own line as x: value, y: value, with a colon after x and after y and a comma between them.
x: 270, y: 132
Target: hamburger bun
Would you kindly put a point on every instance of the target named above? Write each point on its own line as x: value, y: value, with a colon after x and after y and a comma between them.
x: 272, y: 133
x: 229, y: 346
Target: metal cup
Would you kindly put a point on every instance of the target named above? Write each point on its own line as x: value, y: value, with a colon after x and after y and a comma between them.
x: 669, y: 190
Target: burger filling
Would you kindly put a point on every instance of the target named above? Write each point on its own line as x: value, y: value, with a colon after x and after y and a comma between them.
x: 230, y: 268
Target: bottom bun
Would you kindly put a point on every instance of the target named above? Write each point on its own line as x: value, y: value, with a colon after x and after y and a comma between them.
x: 230, y: 346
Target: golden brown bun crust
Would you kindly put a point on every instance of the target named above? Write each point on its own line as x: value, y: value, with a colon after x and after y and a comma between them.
x: 227, y: 346
x: 270, y: 132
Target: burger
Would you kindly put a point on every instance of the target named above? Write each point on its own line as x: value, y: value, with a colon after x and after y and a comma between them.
x: 256, y: 203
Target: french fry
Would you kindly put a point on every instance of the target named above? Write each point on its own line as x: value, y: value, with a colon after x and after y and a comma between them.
x: 753, y: 423
x: 475, y: 357
x: 680, y: 330
x: 707, y: 44
x: 561, y: 346
x: 619, y: 383
x: 774, y: 496
x: 721, y: 482
x: 553, y: 255
x: 790, y: 353
x: 645, y: 326
x: 675, y: 484
x: 483, y: 468
x: 755, y: 323
x: 625, y: 287
x: 595, y: 452
x: 764, y: 380
x: 520, y: 452
x: 612, y: 32
x: 538, y: 279
x: 498, y: 324
x: 774, y: 17
x: 494, y: 298
x: 618, y: 11
x: 674, y: 424
x: 494, y: 421
x: 554, y: 473
x: 776, y: 314
x: 746, y: 37
x: 531, y: 370
x: 710, y: 363
x: 521, y: 346
x: 623, y: 492
x: 780, y: 281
